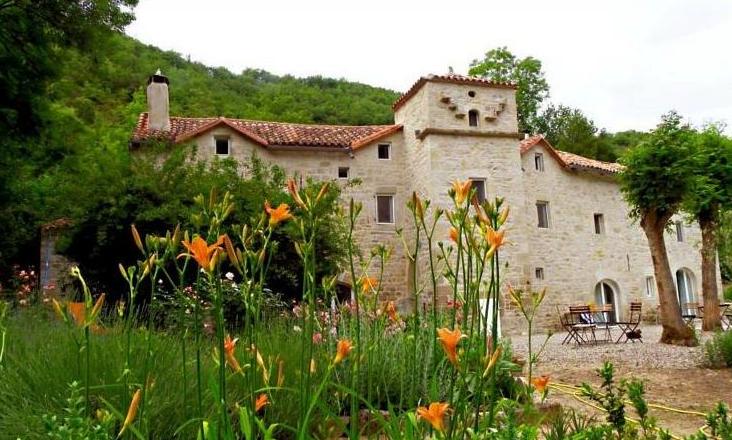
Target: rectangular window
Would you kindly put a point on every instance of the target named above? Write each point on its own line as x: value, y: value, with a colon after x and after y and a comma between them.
x: 650, y: 287
x: 343, y: 172
x: 384, y: 151
x: 679, y: 231
x: 542, y: 211
x: 384, y: 209
x: 539, y: 273
x: 479, y: 187
x: 539, y: 161
x: 222, y: 146
x: 599, y: 224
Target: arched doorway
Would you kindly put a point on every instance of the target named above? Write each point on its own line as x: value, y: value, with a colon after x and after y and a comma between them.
x: 685, y: 289
x: 606, y: 295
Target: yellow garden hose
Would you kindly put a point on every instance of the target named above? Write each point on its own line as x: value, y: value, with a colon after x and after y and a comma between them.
x: 574, y: 391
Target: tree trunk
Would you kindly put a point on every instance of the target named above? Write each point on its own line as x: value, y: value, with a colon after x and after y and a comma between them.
x: 708, y: 225
x: 675, y: 330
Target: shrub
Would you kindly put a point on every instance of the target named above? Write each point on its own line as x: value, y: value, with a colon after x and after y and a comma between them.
x: 728, y: 293
x: 718, y: 350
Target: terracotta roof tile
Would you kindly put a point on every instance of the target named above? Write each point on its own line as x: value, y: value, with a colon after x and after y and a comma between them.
x: 449, y: 78
x: 571, y: 160
x: 269, y: 133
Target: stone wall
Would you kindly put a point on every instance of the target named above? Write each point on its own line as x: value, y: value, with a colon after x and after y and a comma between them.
x: 436, y: 147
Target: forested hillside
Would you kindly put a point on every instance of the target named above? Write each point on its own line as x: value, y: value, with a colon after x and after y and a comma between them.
x: 65, y: 133
x: 98, y: 87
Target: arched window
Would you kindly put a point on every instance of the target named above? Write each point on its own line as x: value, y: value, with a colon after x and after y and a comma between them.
x: 473, y: 118
x: 606, y: 300
x: 685, y: 289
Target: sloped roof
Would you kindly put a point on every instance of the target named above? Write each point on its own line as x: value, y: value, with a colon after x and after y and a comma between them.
x: 571, y: 160
x: 449, y: 78
x: 267, y: 133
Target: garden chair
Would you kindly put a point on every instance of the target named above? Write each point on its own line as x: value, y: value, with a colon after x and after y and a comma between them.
x: 604, y: 317
x: 629, y: 329
x: 566, y: 322
x: 583, y: 323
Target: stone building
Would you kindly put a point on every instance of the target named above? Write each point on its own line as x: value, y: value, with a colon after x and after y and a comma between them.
x: 569, y: 227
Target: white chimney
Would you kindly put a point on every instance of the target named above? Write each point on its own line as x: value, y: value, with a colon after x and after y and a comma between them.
x: 157, y: 102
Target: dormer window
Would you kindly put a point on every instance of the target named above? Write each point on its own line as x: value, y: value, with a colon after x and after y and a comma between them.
x: 384, y: 151
x: 222, y: 146
x: 473, y: 118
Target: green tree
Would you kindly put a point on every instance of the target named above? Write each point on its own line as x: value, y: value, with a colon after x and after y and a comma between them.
x: 532, y: 88
x: 725, y: 245
x: 569, y: 129
x: 657, y: 178
x: 710, y: 196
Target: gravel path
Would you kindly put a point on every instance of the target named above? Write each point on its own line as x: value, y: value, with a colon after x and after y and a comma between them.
x: 649, y: 354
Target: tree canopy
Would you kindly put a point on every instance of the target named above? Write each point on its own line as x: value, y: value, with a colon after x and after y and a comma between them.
x: 532, y: 87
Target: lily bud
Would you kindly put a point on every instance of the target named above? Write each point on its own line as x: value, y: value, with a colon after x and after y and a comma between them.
x: 136, y: 237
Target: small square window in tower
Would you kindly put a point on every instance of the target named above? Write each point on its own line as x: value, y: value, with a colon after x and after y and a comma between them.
x: 539, y: 273
x: 343, y: 172
x: 539, y: 161
x: 384, y: 151
x: 479, y: 187
x: 679, y: 231
x: 542, y: 212
x: 384, y: 209
x: 222, y: 146
x: 599, y: 224
x: 473, y: 118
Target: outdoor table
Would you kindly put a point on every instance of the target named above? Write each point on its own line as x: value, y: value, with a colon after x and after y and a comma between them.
x: 725, y: 314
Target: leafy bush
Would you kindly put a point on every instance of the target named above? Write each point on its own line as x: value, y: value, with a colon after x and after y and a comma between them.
x: 728, y: 293
x: 718, y: 350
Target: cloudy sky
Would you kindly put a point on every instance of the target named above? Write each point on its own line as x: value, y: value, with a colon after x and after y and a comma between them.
x: 624, y: 63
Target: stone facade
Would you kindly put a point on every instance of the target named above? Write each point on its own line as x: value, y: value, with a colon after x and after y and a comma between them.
x: 453, y: 128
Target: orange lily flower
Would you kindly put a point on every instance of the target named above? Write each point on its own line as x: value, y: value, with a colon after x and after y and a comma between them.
x: 202, y: 252
x: 495, y: 238
x: 277, y: 215
x: 540, y: 383
x: 344, y: 347
x: 229, y: 350
x: 449, y: 340
x: 454, y: 234
x: 261, y: 402
x: 462, y: 189
x: 368, y: 284
x: 131, y: 412
x: 435, y: 414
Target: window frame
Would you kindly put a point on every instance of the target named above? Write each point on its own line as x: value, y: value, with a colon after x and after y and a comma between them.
x: 650, y: 286
x: 348, y: 172
x: 472, y: 113
x: 388, y: 151
x: 599, y: 225
x: 539, y: 273
x: 228, y: 145
x: 547, y: 214
x: 482, y: 181
x: 539, y: 162
x: 391, y: 209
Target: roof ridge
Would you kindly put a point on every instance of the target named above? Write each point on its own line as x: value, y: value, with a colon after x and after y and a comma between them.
x: 299, y: 124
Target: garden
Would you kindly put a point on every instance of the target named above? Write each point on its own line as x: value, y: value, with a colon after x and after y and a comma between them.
x: 198, y: 346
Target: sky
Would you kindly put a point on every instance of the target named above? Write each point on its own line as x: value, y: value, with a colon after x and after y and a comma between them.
x: 624, y: 63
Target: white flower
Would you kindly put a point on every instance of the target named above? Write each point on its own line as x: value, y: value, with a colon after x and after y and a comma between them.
x: 297, y: 329
x: 229, y: 276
